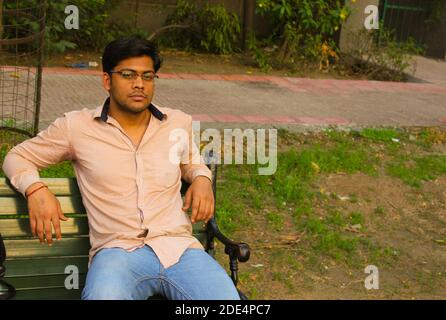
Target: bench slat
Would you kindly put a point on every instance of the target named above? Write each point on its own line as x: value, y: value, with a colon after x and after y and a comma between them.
x: 22, y: 248
x: 42, y: 266
x: 15, y: 228
x: 41, y: 282
x: 19, y: 227
x: 49, y: 294
x: 59, y: 186
x: 18, y: 206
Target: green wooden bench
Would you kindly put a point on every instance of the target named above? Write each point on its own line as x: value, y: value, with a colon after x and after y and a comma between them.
x: 29, y: 270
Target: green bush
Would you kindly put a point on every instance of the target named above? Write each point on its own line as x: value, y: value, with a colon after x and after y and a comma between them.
x: 211, y: 28
x: 95, y: 27
x: 303, y: 30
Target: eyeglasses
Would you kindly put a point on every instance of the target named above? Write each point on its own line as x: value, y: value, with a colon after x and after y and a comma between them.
x: 133, y: 75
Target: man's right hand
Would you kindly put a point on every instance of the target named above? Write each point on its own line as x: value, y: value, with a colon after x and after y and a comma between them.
x: 44, y: 210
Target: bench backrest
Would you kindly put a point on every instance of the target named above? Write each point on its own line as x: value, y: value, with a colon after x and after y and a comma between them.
x: 39, y: 271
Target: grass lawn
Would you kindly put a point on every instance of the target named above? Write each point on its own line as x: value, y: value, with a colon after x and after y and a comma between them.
x: 338, y: 202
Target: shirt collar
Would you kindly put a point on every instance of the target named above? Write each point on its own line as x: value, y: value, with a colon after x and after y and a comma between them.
x: 102, y: 112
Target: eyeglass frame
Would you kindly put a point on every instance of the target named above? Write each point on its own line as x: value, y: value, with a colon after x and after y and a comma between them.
x: 138, y: 74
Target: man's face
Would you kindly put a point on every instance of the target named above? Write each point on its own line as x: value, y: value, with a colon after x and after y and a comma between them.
x: 130, y: 95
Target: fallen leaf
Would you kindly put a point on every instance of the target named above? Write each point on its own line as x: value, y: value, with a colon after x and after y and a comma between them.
x: 315, y: 167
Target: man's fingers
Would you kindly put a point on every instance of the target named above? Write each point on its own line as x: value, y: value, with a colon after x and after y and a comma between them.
x: 62, y: 216
x: 204, y: 210
x: 187, y: 200
x: 210, y: 212
x: 33, y: 224
x: 39, y: 227
x: 48, y: 232
x: 195, y: 208
x: 56, y: 224
x: 60, y: 212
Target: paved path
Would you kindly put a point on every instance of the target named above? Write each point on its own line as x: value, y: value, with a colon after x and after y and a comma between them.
x: 264, y: 101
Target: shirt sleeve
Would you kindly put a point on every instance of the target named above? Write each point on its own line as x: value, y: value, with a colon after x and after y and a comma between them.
x: 192, y: 163
x: 49, y: 147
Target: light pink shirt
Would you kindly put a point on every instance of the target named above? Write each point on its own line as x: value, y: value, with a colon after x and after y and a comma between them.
x: 125, y: 189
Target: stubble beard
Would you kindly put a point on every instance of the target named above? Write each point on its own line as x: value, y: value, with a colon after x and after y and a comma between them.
x: 124, y: 107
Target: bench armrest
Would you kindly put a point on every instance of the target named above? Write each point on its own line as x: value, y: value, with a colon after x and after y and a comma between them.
x: 237, y: 251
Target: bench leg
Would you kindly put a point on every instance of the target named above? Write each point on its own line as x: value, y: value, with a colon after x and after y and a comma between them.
x: 6, y: 290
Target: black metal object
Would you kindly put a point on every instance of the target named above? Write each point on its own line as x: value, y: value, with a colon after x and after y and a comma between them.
x: 237, y: 251
x: 22, y: 32
x: 407, y: 18
x: 6, y: 290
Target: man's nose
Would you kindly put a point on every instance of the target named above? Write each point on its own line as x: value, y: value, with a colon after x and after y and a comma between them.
x: 138, y: 82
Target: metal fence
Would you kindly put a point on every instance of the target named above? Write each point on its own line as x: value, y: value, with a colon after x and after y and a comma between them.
x: 408, y: 18
x: 22, y: 28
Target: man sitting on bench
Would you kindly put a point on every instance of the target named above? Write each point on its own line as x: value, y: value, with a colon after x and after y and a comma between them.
x: 125, y: 163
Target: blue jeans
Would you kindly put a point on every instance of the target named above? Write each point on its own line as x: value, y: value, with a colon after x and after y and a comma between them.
x: 116, y: 274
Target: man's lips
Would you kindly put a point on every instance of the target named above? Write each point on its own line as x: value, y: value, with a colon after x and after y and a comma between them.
x: 137, y: 97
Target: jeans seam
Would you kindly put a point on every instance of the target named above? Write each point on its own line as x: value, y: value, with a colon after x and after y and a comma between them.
x: 178, y: 288
x: 145, y: 278
x: 139, y: 280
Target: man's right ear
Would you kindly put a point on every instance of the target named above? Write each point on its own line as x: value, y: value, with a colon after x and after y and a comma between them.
x: 106, y: 81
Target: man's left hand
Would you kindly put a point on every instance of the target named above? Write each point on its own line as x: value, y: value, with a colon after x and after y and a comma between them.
x: 201, y: 196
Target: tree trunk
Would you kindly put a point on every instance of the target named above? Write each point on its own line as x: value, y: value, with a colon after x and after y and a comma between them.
x: 1, y: 19
x: 248, y: 21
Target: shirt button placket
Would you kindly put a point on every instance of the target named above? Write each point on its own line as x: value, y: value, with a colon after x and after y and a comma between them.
x: 140, y: 187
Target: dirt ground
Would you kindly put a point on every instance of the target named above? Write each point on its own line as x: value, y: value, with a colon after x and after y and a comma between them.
x: 407, y: 224
x: 413, y: 225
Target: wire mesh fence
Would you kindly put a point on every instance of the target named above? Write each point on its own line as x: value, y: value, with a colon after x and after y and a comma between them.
x: 22, y: 28
x: 408, y: 18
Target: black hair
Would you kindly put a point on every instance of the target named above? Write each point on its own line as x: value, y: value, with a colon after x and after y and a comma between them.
x: 131, y: 47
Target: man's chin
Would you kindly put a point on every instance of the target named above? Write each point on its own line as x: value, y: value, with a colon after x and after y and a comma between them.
x: 137, y: 107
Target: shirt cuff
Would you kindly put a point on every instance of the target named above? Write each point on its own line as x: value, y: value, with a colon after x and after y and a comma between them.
x: 24, y: 180
x: 204, y: 173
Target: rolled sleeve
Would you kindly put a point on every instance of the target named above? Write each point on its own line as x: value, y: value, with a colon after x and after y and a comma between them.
x: 23, y: 180
x: 49, y: 147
